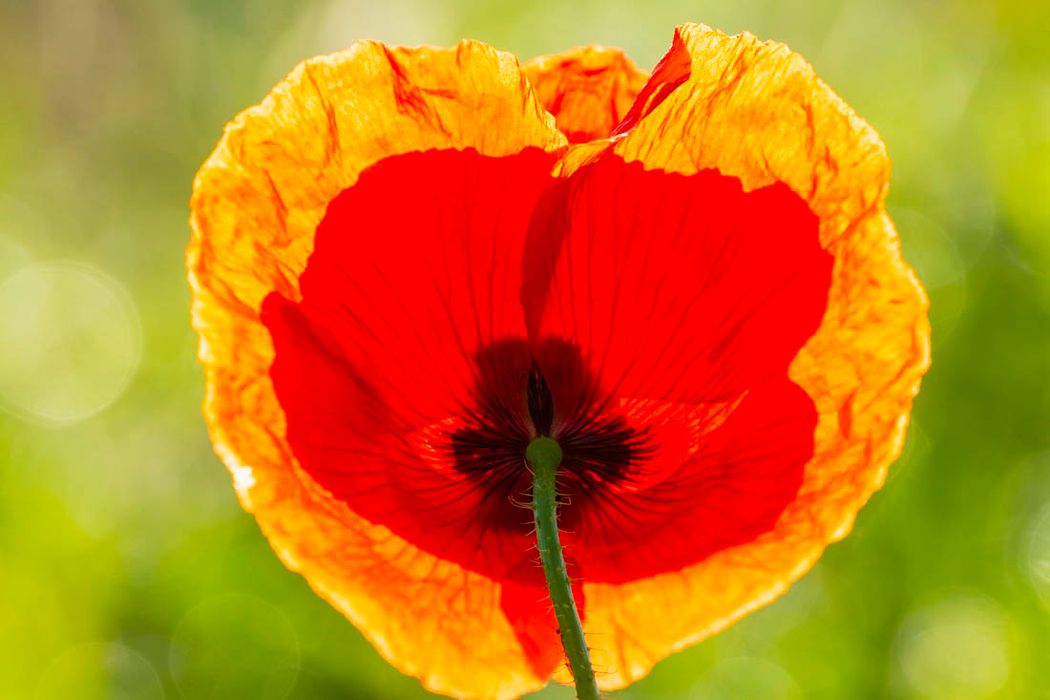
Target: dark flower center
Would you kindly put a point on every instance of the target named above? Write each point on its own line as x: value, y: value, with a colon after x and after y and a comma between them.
x: 521, y: 394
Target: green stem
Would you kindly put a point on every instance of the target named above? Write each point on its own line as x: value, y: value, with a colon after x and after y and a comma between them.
x: 544, y: 456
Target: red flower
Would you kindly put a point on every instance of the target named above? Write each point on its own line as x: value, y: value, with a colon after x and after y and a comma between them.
x: 403, y: 273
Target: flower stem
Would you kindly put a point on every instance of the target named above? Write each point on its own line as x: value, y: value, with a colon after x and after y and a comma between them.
x: 544, y: 456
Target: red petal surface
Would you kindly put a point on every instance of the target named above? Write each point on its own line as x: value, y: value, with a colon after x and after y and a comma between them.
x: 415, y: 271
x: 731, y: 488
x: 687, y: 298
x: 675, y: 287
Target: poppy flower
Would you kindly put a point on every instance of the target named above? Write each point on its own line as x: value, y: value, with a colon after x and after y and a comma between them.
x: 409, y: 262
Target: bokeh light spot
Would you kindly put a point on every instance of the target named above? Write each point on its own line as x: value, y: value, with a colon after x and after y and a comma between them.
x: 97, y: 671
x: 1038, y: 551
x: 235, y: 646
x: 955, y: 649
x: 13, y: 255
x: 71, y: 341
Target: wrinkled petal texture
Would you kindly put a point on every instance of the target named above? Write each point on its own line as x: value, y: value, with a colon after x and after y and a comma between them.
x: 757, y: 111
x: 588, y: 90
x: 382, y: 346
x: 257, y: 203
x: 686, y: 291
x: 393, y: 228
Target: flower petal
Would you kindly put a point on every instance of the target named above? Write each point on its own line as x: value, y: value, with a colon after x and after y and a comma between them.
x: 756, y: 111
x: 689, y: 292
x: 398, y: 302
x: 256, y: 205
x: 682, y: 288
x: 730, y: 490
x: 587, y: 89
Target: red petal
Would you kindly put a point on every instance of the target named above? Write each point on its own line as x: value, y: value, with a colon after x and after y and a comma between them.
x: 728, y: 487
x: 672, y: 70
x: 416, y: 268
x: 674, y: 287
x: 687, y: 298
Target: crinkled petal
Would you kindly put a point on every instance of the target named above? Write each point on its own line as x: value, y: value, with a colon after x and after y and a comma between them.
x: 256, y: 204
x: 682, y: 293
x: 749, y: 111
x: 398, y: 305
x: 756, y: 111
x: 588, y: 89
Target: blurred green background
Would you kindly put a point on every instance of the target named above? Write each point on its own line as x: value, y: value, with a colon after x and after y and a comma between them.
x: 127, y: 569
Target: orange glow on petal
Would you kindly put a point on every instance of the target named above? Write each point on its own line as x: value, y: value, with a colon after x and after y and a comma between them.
x: 672, y: 70
x: 588, y: 89
x: 757, y: 111
x: 256, y: 204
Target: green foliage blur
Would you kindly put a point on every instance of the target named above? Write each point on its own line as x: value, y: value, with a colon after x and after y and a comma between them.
x: 127, y: 568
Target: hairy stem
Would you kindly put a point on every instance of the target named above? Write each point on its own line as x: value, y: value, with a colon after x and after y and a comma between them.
x: 544, y: 456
